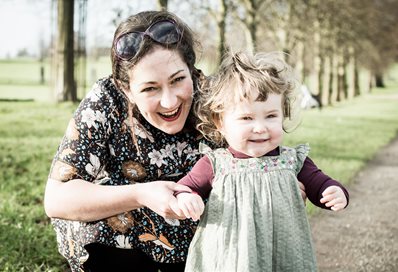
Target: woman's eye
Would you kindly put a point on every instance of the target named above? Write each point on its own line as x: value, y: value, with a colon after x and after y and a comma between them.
x: 177, y: 79
x: 148, y: 89
x: 246, y: 118
x: 272, y: 116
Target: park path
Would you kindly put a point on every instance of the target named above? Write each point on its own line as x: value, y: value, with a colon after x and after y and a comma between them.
x: 364, y: 237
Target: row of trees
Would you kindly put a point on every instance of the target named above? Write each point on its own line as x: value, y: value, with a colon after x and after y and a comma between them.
x: 329, y: 42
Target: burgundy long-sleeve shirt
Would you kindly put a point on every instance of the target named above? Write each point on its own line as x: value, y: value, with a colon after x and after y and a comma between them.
x: 200, y: 178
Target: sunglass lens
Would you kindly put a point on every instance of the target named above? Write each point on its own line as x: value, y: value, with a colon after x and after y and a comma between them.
x: 164, y: 32
x: 128, y: 45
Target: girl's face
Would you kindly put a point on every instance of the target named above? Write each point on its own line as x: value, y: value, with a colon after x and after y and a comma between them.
x: 254, y: 128
x: 161, y: 86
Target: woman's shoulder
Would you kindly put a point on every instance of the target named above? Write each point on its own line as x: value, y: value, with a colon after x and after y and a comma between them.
x: 105, y: 97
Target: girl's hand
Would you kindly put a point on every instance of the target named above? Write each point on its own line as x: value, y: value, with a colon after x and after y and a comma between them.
x: 159, y: 197
x: 191, y: 204
x: 334, y: 197
x: 302, y: 192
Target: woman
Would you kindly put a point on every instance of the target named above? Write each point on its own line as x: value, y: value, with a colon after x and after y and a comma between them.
x: 132, y: 128
x: 107, y: 192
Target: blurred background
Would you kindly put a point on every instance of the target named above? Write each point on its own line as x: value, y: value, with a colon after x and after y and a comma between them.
x: 339, y: 48
x: 52, y: 51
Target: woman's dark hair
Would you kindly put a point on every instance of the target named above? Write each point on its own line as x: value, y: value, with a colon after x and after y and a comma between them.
x: 140, y: 22
x: 185, y: 47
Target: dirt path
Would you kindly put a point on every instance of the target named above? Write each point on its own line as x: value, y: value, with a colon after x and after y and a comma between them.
x: 365, y: 236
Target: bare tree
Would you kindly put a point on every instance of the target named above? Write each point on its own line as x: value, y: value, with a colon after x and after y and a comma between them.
x: 248, y: 11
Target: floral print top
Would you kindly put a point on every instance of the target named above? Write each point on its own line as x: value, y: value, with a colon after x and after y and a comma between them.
x: 98, y: 147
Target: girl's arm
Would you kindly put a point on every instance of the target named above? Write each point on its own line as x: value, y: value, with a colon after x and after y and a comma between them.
x: 334, y: 198
x: 200, y: 178
x: 316, y: 182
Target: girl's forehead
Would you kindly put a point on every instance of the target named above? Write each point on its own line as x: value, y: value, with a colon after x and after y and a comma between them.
x: 248, y: 104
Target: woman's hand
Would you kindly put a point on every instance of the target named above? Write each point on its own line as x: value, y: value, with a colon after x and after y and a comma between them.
x: 334, y: 198
x: 159, y: 197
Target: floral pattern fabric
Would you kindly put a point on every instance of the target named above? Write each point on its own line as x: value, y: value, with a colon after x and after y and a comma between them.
x: 98, y: 148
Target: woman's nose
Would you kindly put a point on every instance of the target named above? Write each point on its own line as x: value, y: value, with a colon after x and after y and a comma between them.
x: 168, y: 100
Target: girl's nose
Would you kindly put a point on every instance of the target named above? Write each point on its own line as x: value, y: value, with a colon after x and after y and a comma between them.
x: 168, y: 100
x: 259, y: 127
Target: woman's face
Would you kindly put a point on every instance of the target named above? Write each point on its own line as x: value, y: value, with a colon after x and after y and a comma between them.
x: 161, y: 86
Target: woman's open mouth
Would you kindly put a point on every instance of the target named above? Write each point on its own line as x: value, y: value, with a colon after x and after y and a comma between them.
x: 172, y: 115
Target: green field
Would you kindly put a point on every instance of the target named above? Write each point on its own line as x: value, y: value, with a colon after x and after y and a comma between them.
x: 21, y: 78
x: 343, y: 138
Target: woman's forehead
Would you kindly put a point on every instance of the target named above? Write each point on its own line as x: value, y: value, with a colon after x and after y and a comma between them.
x: 159, y: 63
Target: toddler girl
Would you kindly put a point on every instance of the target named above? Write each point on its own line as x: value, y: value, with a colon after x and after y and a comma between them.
x: 255, y: 218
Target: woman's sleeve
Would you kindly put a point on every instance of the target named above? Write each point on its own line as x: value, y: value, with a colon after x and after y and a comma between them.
x: 84, y: 151
x: 315, y: 182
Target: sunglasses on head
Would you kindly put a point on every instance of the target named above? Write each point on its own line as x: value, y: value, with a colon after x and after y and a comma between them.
x: 163, y: 32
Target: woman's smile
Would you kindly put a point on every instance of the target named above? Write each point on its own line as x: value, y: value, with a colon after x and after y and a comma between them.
x: 161, y: 87
x: 171, y: 115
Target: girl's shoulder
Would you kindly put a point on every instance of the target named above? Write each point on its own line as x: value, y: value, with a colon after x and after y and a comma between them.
x: 299, y: 150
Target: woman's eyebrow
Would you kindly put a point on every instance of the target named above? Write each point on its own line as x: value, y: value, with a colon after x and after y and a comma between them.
x: 171, y: 76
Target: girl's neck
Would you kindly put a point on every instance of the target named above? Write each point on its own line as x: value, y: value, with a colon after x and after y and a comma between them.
x: 240, y: 155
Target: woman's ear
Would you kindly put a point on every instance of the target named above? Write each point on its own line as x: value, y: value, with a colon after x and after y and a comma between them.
x: 129, y: 94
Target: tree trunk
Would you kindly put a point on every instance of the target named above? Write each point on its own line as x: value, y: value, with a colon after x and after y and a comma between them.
x: 300, y: 64
x: 318, y: 70
x: 251, y: 30
x: 351, y: 73
x: 333, y: 80
x: 357, y: 89
x: 222, y: 30
x: 162, y: 4
x: 340, y: 78
x: 379, y: 81
x: 327, y: 66
x: 65, y: 86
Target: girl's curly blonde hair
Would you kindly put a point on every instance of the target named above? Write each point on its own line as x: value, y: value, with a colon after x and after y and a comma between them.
x: 241, y: 76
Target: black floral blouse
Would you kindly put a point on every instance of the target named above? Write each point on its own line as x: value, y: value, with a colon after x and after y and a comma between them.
x: 98, y: 147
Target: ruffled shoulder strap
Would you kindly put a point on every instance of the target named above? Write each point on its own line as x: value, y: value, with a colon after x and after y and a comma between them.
x: 204, y: 148
x: 302, y: 151
x: 218, y: 156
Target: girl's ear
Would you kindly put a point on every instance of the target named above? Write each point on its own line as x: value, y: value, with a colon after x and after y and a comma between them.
x: 218, y: 124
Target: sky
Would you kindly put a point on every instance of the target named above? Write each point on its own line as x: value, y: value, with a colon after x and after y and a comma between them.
x: 24, y: 24
x: 21, y: 26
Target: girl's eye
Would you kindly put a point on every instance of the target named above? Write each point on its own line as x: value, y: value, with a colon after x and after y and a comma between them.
x: 246, y: 118
x: 272, y: 116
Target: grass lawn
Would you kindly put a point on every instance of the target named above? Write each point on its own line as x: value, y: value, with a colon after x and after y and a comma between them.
x: 343, y: 138
x: 20, y: 78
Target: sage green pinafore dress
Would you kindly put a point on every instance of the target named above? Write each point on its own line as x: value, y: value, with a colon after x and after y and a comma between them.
x: 255, y: 218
